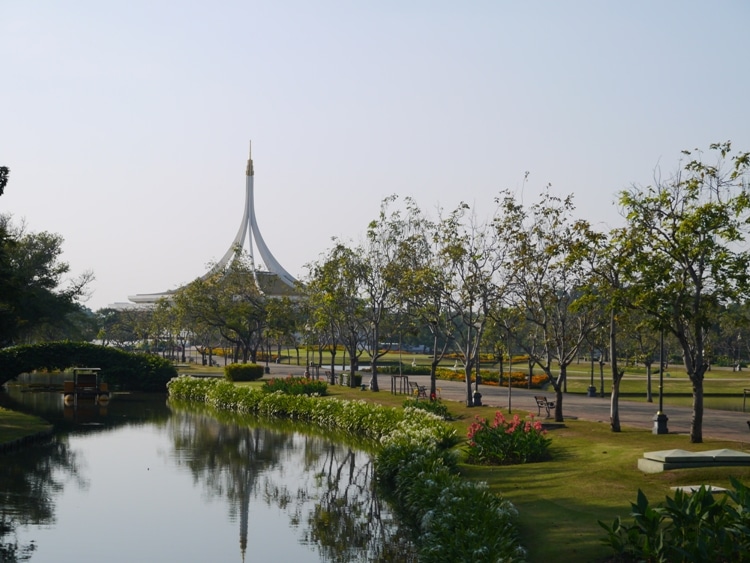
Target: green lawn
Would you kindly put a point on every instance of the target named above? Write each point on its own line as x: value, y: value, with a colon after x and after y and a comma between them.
x: 15, y: 425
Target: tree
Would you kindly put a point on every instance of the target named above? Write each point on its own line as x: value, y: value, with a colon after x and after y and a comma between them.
x: 553, y: 313
x: 685, y: 257
x: 37, y: 298
x: 229, y: 301
x: 420, y: 285
x: 471, y: 259
x: 376, y: 271
x: 335, y: 304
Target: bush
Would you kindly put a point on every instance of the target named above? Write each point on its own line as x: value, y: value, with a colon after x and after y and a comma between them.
x: 432, y: 498
x: 127, y: 371
x: 435, y: 407
x: 243, y: 372
x: 296, y: 386
x: 504, y: 442
x: 691, y: 527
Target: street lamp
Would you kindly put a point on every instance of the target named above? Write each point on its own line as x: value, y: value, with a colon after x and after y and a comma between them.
x: 592, y: 387
x: 660, y: 419
x: 477, y: 395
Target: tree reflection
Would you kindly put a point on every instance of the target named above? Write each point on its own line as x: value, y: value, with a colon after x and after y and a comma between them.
x: 323, y: 485
x: 31, y: 478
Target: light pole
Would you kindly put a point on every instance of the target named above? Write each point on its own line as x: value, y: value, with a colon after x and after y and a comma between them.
x: 660, y: 419
x: 739, y: 366
x: 477, y: 395
x: 592, y: 387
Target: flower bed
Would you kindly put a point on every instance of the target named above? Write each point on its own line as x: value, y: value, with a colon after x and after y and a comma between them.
x: 504, y: 442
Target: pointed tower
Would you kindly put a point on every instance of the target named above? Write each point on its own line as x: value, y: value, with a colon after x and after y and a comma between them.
x: 273, y: 281
x: 249, y: 228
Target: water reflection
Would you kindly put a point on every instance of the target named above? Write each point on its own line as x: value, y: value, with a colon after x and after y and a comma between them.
x: 187, y: 486
x: 324, y: 487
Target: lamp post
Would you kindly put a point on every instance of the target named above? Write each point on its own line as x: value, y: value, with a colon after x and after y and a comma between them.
x: 592, y: 387
x: 739, y: 366
x: 660, y: 419
x: 477, y: 395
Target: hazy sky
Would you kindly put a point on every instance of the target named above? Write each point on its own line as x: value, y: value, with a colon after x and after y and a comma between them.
x: 126, y: 124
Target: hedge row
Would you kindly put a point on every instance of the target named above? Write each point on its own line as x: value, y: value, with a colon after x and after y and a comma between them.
x: 414, y: 466
x: 122, y: 370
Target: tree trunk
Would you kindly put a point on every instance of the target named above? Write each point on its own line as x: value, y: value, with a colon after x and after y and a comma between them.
x: 467, y: 377
x: 696, y: 422
x: 332, y: 378
x: 649, y: 396
x: 614, y: 403
x: 559, y: 396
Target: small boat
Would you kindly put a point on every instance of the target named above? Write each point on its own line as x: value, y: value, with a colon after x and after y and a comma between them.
x: 86, y: 383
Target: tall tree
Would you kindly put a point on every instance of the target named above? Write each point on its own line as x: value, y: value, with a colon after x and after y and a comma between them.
x: 685, y: 252
x: 554, y: 315
x: 469, y: 256
x: 335, y: 304
x: 421, y: 283
x: 376, y: 272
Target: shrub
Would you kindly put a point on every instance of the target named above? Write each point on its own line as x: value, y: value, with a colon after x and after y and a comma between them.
x: 243, y: 372
x: 127, y: 371
x: 691, y: 527
x: 430, y: 496
x: 503, y: 442
x: 296, y: 386
x: 435, y: 407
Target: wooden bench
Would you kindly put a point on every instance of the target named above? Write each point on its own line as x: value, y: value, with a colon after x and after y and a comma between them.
x: 543, y: 403
x: 419, y: 391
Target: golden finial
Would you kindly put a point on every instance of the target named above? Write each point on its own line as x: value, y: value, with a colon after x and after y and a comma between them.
x: 249, y: 171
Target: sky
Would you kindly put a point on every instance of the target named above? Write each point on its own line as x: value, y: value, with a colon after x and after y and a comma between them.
x: 126, y: 124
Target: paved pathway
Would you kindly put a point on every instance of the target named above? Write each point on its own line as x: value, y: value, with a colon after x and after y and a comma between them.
x: 725, y: 425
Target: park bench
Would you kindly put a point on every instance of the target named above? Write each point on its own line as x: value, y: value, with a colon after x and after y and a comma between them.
x: 419, y: 391
x: 543, y: 403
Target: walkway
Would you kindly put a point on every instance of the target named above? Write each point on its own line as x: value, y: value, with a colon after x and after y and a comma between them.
x: 723, y: 425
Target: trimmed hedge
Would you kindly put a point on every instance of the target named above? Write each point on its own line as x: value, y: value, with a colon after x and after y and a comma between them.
x: 126, y: 371
x: 243, y: 372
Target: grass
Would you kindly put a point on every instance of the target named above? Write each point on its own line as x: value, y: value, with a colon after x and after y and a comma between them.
x: 15, y: 425
x: 592, y: 476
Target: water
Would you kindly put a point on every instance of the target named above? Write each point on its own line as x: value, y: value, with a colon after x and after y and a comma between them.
x: 139, y: 481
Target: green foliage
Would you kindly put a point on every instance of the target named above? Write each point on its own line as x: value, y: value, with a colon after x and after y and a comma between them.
x: 689, y: 527
x: 453, y: 519
x: 504, y: 442
x: 34, y: 305
x: 406, y: 369
x: 121, y: 370
x: 359, y: 418
x: 243, y: 372
x: 435, y: 407
x: 296, y: 386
